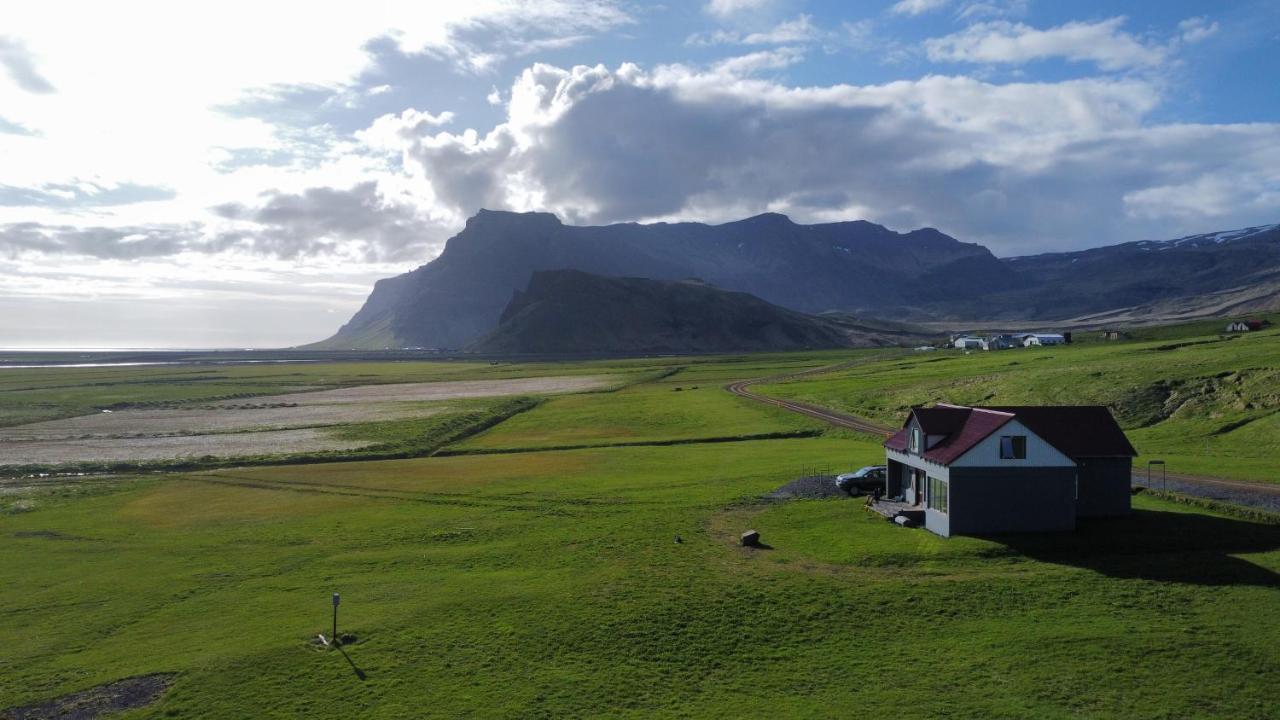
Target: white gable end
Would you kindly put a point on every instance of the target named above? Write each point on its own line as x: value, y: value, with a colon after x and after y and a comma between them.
x: 1039, y: 452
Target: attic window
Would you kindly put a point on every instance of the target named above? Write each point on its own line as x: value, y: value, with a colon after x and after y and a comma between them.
x: 915, y: 439
x: 1013, y: 447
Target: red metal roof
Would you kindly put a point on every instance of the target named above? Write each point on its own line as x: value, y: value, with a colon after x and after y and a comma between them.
x: 1078, y: 431
x: 961, y: 428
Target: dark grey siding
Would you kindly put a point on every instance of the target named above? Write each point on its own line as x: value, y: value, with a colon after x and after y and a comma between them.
x: 1004, y: 500
x: 1104, y: 486
x: 895, y: 477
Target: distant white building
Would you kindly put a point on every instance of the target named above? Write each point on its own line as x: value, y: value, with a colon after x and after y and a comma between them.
x: 1035, y: 339
x: 970, y: 343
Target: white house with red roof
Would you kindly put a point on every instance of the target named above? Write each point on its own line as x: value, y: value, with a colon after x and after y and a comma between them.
x: 987, y: 470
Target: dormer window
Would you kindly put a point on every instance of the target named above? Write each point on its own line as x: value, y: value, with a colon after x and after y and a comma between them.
x: 915, y: 440
x: 1013, y: 447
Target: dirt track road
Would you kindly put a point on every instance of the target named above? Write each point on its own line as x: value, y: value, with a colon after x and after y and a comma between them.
x: 1262, y: 495
x: 741, y: 388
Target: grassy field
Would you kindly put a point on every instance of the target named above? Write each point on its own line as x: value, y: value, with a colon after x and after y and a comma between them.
x: 549, y: 583
x: 1207, y: 405
x: 654, y: 412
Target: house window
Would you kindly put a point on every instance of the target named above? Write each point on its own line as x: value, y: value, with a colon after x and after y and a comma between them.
x: 915, y: 439
x: 1013, y: 447
x: 936, y: 497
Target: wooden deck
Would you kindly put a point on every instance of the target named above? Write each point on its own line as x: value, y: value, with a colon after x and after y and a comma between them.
x: 892, y: 509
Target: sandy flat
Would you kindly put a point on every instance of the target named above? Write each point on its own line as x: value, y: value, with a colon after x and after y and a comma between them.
x: 50, y: 452
x: 450, y: 390
x: 278, y: 423
x: 364, y: 403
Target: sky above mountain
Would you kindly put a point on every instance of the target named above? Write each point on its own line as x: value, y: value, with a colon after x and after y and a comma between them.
x: 238, y: 174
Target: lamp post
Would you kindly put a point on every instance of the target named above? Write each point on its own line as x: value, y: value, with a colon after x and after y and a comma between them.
x: 1164, y: 474
x: 336, y: 600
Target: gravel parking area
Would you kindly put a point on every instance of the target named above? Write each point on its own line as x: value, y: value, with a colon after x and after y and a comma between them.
x: 813, y: 487
x: 1236, y: 495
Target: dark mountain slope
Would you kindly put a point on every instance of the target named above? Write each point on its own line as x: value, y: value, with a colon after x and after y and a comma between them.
x: 573, y: 312
x: 851, y: 266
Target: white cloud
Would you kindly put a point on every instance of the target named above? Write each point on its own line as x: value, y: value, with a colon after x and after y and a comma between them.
x: 917, y: 7
x: 729, y: 8
x: 752, y: 63
x: 798, y: 30
x: 18, y: 63
x: 1196, y: 29
x: 1010, y: 165
x: 1102, y: 42
x: 992, y: 9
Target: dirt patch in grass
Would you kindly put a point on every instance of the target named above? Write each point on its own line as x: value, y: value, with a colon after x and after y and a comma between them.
x: 46, y: 535
x: 121, y: 695
x: 270, y: 442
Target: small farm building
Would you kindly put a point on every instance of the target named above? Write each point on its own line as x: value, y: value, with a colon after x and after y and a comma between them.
x: 1247, y: 325
x: 1003, y: 342
x: 1035, y: 339
x: 966, y: 342
x: 987, y: 470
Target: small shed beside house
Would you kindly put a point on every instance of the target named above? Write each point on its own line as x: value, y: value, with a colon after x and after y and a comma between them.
x: 987, y: 470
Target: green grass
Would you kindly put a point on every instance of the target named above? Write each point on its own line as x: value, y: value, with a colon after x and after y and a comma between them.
x: 548, y: 585
x: 1206, y: 405
x: 653, y: 412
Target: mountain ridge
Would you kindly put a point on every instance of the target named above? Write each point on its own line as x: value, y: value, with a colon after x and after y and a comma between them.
x: 854, y: 266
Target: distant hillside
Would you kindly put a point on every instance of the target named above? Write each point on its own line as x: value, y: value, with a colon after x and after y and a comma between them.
x: 1220, y: 273
x: 849, y: 267
x: 573, y: 312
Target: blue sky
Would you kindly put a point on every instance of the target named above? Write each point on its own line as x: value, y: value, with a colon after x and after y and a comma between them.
x: 240, y: 173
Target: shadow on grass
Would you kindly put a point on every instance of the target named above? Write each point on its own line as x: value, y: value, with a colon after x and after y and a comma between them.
x: 1161, y: 546
x: 354, y: 668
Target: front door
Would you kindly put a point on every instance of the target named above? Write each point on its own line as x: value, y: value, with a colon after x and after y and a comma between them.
x: 915, y: 487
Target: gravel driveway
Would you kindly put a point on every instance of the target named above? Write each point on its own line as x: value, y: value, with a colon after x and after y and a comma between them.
x: 813, y: 487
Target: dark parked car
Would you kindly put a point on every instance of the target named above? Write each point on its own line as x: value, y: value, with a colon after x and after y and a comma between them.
x: 865, y: 479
